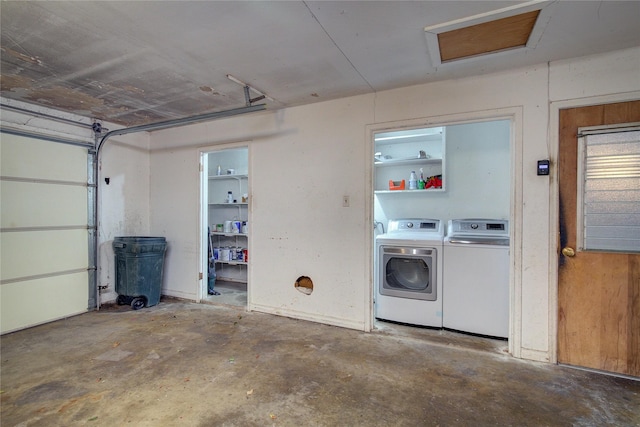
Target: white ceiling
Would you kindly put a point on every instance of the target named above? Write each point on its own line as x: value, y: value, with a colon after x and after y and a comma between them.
x: 140, y: 62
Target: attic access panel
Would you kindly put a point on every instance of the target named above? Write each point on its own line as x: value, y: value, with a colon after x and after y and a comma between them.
x: 492, y: 36
x: 510, y: 29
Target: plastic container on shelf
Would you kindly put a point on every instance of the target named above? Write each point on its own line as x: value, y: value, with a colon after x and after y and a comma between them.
x: 396, y: 185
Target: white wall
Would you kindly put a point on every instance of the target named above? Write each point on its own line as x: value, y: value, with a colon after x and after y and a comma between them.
x: 304, y: 159
x: 123, y: 203
x: 301, y: 162
x: 601, y: 75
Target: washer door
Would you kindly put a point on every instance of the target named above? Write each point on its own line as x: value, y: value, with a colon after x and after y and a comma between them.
x: 407, y: 273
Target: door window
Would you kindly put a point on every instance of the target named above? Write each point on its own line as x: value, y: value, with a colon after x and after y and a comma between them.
x: 610, y: 193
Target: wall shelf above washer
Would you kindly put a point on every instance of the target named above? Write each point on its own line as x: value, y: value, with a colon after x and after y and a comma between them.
x: 228, y: 177
x: 416, y: 161
x: 428, y: 190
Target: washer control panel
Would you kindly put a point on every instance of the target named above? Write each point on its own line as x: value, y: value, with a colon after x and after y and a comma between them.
x: 415, y: 225
x: 493, y: 227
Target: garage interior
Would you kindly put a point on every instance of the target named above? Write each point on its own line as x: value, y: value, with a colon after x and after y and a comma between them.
x: 107, y: 112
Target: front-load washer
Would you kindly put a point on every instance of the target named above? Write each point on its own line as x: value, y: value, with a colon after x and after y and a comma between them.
x: 476, y: 277
x: 409, y: 272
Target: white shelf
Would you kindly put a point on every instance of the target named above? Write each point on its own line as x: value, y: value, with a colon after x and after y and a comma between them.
x: 230, y: 263
x: 222, y: 177
x: 228, y: 204
x: 428, y: 190
x: 402, y: 162
x: 222, y: 233
x: 411, y: 136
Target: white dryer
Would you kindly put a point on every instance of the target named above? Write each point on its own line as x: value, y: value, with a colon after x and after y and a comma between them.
x: 476, y: 277
x: 408, y: 272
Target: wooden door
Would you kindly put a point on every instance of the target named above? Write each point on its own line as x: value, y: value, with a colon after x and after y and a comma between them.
x: 598, y: 292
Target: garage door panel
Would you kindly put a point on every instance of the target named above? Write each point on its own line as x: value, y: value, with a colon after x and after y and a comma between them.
x: 31, y: 204
x: 39, y: 301
x: 44, y: 230
x: 38, y: 159
x: 28, y: 254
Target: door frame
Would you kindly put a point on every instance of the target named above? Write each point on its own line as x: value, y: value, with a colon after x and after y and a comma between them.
x: 554, y: 199
x: 516, y: 116
x: 203, y: 213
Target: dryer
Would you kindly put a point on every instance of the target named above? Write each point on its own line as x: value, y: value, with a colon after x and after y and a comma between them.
x: 476, y: 277
x: 408, y: 272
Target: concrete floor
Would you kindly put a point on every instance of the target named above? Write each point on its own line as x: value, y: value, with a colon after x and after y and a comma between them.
x: 231, y: 293
x: 184, y: 364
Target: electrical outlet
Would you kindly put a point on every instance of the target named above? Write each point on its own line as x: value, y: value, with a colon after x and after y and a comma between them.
x: 345, y: 201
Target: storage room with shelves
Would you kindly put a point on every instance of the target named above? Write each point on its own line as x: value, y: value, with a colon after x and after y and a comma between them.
x: 228, y: 227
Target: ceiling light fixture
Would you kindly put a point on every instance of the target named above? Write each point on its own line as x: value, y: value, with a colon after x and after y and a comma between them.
x: 495, y: 32
x: 261, y: 95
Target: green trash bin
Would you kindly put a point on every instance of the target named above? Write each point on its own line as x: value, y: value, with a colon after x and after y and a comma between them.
x: 139, y: 265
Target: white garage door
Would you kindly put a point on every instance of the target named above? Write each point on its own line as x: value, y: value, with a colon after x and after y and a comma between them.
x: 44, y: 245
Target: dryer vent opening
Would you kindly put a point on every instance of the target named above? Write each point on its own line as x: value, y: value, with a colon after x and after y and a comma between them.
x: 304, y: 284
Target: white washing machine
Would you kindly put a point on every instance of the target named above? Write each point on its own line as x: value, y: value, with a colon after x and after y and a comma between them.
x: 409, y: 272
x: 476, y: 277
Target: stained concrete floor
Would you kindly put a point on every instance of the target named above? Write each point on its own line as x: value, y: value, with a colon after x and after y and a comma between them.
x: 231, y: 293
x: 184, y: 364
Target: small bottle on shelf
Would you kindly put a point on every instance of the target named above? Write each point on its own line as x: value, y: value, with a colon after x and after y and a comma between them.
x: 421, y: 181
x: 413, y: 181
x: 229, y: 197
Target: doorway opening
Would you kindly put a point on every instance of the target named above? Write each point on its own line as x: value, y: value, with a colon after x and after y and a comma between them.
x: 225, y: 226
x: 443, y: 173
